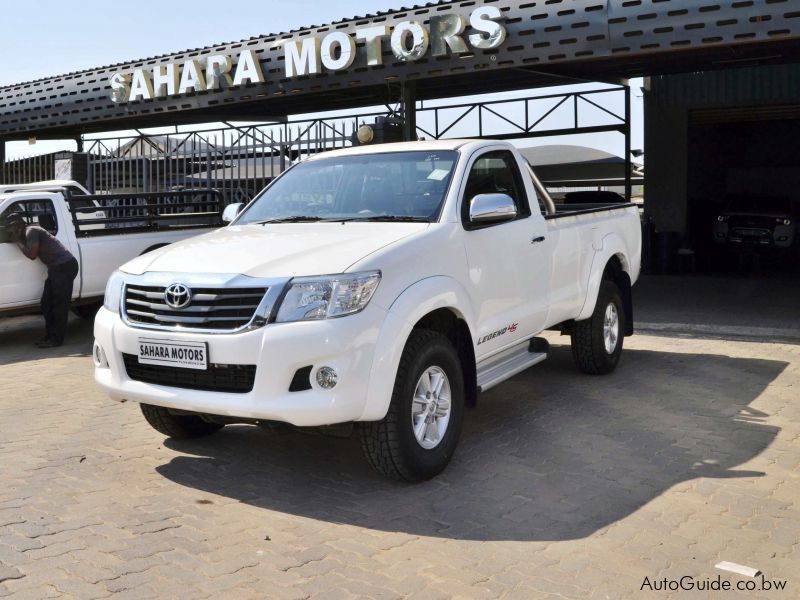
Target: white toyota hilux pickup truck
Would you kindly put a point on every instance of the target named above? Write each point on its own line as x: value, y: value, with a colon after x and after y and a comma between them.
x: 377, y: 289
x: 102, y: 232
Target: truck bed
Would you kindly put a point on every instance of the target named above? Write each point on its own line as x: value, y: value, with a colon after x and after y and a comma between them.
x: 571, y: 210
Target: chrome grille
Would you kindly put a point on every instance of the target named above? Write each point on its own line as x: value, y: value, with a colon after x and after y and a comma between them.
x: 211, y: 308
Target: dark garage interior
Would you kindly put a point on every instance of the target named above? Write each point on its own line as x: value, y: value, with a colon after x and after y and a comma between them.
x: 742, y: 163
x: 723, y: 172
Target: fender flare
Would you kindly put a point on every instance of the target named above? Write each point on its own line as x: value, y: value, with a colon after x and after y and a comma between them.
x: 154, y: 247
x: 612, y: 245
x: 416, y: 301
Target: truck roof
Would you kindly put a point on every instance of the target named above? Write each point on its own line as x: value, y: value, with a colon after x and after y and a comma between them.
x: 40, y: 185
x: 424, y: 146
x: 26, y: 194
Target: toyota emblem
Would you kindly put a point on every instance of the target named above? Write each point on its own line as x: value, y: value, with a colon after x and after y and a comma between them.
x: 178, y: 296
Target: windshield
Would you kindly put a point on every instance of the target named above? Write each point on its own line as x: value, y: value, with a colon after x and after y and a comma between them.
x: 401, y: 186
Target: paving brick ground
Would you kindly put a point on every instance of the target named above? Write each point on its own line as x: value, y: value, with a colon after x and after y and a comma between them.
x: 563, y: 486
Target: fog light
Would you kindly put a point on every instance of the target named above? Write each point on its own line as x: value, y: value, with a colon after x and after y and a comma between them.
x: 99, y: 355
x: 327, y: 378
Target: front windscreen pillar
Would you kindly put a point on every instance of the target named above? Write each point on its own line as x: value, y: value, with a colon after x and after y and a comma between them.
x: 2, y: 161
x: 628, y: 162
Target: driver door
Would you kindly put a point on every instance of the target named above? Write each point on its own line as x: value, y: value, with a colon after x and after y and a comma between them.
x: 22, y: 279
x: 508, y: 266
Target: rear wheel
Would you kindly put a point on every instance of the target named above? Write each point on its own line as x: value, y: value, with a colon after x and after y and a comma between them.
x: 597, y: 341
x: 179, y: 427
x: 418, y: 436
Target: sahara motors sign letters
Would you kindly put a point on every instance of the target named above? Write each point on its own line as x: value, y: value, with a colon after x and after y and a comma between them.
x: 409, y: 40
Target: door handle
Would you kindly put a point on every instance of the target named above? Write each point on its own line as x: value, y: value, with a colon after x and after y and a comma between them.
x: 537, y: 240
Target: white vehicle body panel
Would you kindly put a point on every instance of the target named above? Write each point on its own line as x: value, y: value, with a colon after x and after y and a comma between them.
x: 22, y: 279
x: 273, y: 250
x: 522, y: 276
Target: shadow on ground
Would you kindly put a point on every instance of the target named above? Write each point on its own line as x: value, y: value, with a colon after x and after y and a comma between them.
x: 549, y: 455
x: 19, y: 334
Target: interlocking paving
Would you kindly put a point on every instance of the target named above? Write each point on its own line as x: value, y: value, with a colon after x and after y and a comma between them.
x: 564, y: 485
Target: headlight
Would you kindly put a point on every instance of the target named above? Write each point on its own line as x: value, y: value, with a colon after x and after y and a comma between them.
x: 114, y: 291
x: 315, y: 298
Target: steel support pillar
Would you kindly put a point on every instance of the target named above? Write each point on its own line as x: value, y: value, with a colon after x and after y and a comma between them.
x: 409, y: 99
x: 628, y: 163
x: 2, y: 161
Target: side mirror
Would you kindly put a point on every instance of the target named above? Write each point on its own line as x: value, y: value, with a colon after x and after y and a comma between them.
x: 491, y: 208
x: 231, y: 212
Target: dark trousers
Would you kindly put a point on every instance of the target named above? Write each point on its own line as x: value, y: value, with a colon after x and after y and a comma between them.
x: 56, y: 299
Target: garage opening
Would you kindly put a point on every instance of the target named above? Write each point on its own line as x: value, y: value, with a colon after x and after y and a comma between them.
x: 743, y: 182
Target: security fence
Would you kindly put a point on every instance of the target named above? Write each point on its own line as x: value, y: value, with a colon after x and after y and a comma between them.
x: 237, y: 160
x: 28, y: 170
x: 241, y: 159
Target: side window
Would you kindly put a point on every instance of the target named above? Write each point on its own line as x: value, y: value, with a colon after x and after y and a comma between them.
x: 495, y: 173
x: 35, y: 212
x: 75, y: 190
x: 542, y: 204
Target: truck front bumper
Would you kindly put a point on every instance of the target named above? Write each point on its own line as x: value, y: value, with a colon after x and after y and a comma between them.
x: 277, y: 350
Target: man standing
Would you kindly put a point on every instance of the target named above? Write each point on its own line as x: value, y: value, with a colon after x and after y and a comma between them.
x: 62, y: 268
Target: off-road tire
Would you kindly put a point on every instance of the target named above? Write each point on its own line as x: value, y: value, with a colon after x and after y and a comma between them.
x: 179, y: 427
x: 588, y: 346
x: 390, y: 445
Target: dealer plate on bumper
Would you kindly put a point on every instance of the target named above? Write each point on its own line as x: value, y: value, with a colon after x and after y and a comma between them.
x: 173, y: 353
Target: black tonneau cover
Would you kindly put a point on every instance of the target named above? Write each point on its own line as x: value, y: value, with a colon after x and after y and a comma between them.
x: 571, y: 210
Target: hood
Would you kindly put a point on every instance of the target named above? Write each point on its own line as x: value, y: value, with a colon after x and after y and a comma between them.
x: 276, y: 250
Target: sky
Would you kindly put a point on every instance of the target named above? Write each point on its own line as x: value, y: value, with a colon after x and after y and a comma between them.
x: 43, y: 38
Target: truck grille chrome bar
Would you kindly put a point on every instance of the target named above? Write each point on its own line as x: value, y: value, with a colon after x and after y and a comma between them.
x: 220, y: 309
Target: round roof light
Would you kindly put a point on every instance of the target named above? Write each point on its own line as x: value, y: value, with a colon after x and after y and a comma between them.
x: 365, y: 134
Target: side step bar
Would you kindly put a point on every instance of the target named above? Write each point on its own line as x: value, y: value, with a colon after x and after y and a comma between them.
x: 514, y: 360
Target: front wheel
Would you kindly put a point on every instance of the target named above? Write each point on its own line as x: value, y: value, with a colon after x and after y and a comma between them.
x: 597, y: 341
x: 418, y: 436
x: 179, y: 427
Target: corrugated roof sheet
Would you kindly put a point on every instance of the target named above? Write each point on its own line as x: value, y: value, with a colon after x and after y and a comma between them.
x: 257, y: 37
x: 749, y: 85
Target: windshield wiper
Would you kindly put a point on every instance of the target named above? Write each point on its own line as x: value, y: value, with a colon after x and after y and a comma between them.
x: 388, y: 218
x: 295, y: 219
x: 378, y: 218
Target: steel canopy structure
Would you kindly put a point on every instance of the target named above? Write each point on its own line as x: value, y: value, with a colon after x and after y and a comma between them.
x: 547, y: 42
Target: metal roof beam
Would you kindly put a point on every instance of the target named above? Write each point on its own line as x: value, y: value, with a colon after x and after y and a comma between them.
x: 566, y: 39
